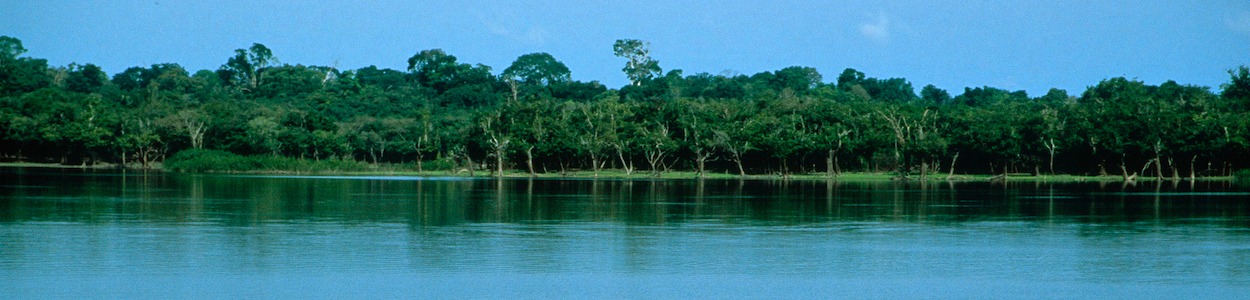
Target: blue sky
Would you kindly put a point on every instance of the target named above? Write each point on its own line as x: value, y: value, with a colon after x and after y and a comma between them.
x: 1029, y: 45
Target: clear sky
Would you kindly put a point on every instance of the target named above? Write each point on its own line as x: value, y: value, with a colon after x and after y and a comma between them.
x: 1029, y: 45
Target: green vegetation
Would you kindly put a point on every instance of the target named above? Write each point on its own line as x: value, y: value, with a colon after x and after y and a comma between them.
x: 200, y: 160
x: 443, y: 116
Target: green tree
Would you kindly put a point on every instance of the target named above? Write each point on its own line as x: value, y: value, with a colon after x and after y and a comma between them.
x: 85, y: 78
x: 19, y: 75
x: 739, y: 129
x: 247, y: 67
x: 622, y: 132
x: 797, y: 79
x: 537, y: 69
x: 497, y: 135
x: 289, y: 82
x: 595, y: 127
x: 424, y: 137
x: 639, y: 65
x: 657, y: 143
x: 933, y: 95
x: 835, y: 131
x: 1237, y: 90
x: 385, y: 79
x: 1113, y: 123
x: 698, y: 122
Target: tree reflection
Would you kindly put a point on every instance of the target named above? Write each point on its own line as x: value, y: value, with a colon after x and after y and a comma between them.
x: 421, y: 202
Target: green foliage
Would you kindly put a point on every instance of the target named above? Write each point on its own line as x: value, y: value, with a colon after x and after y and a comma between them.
x: 1237, y: 90
x: 896, y: 90
x: 933, y: 95
x: 208, y: 161
x: 798, y: 79
x: 85, y: 78
x: 255, y: 114
x: 20, y: 74
x: 537, y: 69
x: 287, y: 81
x: 10, y: 47
x: 639, y: 65
x: 246, y: 68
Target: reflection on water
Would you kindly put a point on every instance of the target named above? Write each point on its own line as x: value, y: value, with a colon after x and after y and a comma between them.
x: 434, y: 235
x: 250, y: 200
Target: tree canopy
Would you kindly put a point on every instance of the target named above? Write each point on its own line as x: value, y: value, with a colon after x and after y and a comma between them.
x: 441, y: 113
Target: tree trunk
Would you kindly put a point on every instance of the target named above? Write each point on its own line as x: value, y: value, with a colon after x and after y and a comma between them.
x: 1050, y: 147
x: 381, y: 153
x: 1124, y: 171
x: 1193, y: 173
x: 529, y: 160
x: 1158, y: 167
x: 1146, y: 166
x: 924, y: 169
x: 829, y: 165
x: 738, y: 160
x: 498, y: 162
x: 564, y: 169
x: 837, y: 166
x: 700, y: 158
x: 1176, y: 173
x: 655, y: 157
x: 782, y: 170
x: 951, y: 175
x: 594, y: 163
x: 629, y: 169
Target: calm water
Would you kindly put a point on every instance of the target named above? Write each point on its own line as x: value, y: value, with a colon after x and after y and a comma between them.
x: 96, y: 234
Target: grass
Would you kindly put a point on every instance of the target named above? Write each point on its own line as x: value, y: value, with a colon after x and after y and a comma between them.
x: 213, y: 161
x: 207, y: 161
x: 408, y: 170
x: 57, y: 165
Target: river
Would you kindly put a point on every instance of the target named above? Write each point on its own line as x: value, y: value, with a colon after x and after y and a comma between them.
x: 110, y: 234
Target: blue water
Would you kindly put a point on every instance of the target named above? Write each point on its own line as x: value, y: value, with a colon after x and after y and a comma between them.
x: 75, y: 234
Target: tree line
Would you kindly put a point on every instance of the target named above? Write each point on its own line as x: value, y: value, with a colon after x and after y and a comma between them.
x: 531, y: 117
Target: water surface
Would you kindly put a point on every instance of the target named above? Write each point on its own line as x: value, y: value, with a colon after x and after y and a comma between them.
x: 98, y: 234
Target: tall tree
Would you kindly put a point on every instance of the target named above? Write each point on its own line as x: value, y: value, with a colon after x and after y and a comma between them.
x: 537, y: 69
x: 1237, y: 90
x: 434, y: 68
x: 933, y: 95
x: 639, y: 65
x: 20, y: 74
x: 797, y: 79
x: 247, y: 67
x: 85, y: 78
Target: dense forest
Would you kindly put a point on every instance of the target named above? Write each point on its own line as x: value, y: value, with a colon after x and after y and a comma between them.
x: 531, y: 117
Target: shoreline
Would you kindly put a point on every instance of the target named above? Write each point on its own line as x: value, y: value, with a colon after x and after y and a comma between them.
x: 672, y: 175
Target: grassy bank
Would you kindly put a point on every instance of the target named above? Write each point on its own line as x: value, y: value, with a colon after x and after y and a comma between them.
x: 213, y: 161
x: 57, y: 166
x: 207, y: 161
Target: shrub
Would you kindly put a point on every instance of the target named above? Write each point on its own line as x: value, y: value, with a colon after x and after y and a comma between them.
x: 200, y: 161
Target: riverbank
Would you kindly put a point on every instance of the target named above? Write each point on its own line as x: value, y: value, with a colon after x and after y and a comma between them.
x: 409, y: 170
x: 57, y: 166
